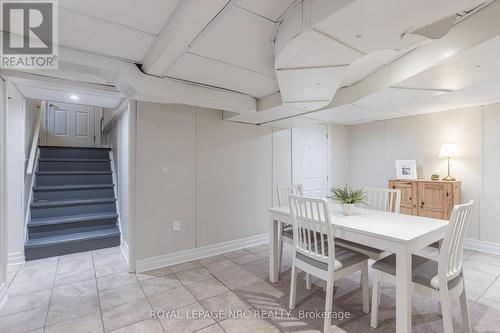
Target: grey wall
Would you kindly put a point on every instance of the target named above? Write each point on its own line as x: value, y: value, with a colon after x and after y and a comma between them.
x: 219, y: 180
x: 31, y: 114
x: 3, y: 217
x: 374, y: 147
x: 338, y: 155
x: 118, y: 138
x: 15, y: 167
x: 490, y: 207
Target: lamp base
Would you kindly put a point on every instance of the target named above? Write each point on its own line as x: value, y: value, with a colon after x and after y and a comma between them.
x: 449, y: 179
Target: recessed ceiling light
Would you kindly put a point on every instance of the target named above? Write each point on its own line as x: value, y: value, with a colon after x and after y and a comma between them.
x: 318, y: 83
x: 478, y: 66
x: 359, y: 35
x: 74, y: 97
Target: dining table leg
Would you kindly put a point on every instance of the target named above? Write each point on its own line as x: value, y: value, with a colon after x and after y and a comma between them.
x: 403, y: 290
x: 273, y: 249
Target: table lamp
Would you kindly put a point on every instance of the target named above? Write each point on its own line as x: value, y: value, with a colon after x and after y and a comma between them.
x: 448, y: 150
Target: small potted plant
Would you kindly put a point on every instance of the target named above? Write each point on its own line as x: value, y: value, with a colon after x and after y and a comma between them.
x: 348, y: 198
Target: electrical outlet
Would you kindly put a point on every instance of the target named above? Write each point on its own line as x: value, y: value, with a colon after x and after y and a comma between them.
x: 164, y: 169
x: 176, y: 225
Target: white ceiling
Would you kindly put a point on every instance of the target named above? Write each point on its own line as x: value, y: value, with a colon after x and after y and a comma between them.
x: 468, y: 79
x: 119, y: 28
x: 195, y: 68
x: 469, y: 67
x: 271, y: 10
x: 235, y: 51
x: 368, y: 25
x: 144, y: 15
x: 95, y: 35
x: 61, y: 92
x: 248, y: 46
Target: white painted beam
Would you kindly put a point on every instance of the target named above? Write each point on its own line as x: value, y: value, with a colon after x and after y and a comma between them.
x: 186, y: 22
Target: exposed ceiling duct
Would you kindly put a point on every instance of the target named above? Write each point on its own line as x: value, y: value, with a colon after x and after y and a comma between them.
x: 267, y: 61
x: 327, y: 53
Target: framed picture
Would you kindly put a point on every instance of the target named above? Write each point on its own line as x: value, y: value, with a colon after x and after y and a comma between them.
x: 406, y: 169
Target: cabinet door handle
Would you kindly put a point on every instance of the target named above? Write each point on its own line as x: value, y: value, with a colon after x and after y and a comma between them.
x: 422, y: 205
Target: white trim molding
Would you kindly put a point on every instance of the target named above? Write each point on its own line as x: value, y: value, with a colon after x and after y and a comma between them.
x: 124, y: 248
x: 3, y: 295
x: 16, y: 258
x: 482, y: 246
x: 168, y: 259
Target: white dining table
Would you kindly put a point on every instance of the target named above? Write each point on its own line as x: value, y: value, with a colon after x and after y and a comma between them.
x: 396, y: 233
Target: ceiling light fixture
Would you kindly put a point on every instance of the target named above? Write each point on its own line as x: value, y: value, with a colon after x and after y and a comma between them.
x: 74, y: 97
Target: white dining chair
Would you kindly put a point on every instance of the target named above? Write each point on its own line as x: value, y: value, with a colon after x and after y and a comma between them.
x: 440, y: 279
x: 383, y: 199
x: 285, y: 232
x: 315, y: 252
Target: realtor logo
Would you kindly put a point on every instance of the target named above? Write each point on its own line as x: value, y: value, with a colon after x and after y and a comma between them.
x: 29, y: 34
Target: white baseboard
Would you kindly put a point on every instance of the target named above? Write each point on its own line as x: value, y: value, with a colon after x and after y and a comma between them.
x: 124, y: 248
x: 482, y: 246
x: 3, y: 295
x: 16, y: 258
x: 143, y: 265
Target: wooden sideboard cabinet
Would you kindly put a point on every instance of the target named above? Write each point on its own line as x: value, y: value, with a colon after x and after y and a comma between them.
x: 428, y: 198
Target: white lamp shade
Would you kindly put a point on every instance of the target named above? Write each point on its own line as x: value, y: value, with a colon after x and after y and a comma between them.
x: 448, y: 150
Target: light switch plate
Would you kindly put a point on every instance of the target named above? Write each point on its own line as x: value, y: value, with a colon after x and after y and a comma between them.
x: 176, y: 225
x: 164, y: 169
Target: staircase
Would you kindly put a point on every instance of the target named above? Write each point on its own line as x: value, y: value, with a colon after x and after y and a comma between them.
x: 74, y: 204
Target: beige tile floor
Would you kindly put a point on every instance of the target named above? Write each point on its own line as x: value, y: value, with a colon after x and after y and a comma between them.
x: 93, y: 292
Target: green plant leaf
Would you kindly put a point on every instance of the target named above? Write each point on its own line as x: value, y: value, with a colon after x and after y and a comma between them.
x: 347, y: 195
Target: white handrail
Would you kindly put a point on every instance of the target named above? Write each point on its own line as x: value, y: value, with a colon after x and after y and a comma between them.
x: 34, y: 143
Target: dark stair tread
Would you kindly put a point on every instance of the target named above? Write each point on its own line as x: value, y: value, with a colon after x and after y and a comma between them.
x: 59, y: 159
x: 71, y: 187
x: 76, y: 237
x: 68, y: 148
x: 71, y: 202
x: 74, y: 172
x: 70, y: 219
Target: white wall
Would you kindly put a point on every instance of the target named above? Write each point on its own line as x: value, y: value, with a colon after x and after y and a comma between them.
x: 219, y: 180
x: 234, y: 178
x: 374, y: 147
x: 165, y: 135
x: 282, y: 160
x: 30, y: 116
x: 15, y: 159
x: 338, y: 155
x: 3, y: 187
x: 120, y: 138
x: 490, y: 207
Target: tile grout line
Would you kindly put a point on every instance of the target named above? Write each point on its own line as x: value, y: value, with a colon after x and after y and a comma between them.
x: 489, y: 286
x: 149, y: 302
x: 201, y: 304
x: 97, y: 289
x: 241, y: 298
x: 51, y: 293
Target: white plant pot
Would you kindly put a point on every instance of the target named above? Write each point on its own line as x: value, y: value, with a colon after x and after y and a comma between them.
x: 348, y: 209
